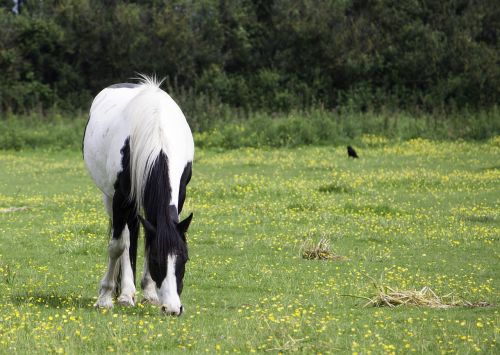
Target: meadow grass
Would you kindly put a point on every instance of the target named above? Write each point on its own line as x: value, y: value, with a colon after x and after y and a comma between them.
x: 410, y: 215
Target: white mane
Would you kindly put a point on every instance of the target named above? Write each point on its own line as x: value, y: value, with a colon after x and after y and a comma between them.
x: 157, y: 124
x: 147, y: 136
x: 149, y: 80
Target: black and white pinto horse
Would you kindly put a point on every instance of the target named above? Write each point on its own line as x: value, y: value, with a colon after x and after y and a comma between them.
x: 139, y: 150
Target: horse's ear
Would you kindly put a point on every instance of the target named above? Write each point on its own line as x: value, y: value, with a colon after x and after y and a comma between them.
x: 147, y: 226
x: 184, y: 225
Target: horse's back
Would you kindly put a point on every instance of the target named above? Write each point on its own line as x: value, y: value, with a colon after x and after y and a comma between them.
x: 106, y: 133
x: 114, y: 113
x: 158, y: 124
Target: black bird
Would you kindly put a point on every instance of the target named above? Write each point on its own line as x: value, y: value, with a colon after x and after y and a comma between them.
x: 351, y: 153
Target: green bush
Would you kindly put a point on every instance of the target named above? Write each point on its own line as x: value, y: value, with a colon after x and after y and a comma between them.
x: 274, y: 56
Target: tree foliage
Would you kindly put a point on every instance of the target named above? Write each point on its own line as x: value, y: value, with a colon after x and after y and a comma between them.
x: 269, y: 55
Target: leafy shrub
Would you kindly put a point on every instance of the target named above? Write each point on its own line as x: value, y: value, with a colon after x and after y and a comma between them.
x: 265, y: 56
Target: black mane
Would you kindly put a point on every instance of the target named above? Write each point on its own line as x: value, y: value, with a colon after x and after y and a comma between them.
x: 158, y: 212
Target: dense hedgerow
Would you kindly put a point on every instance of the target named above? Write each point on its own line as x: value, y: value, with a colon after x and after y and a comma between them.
x: 255, y: 55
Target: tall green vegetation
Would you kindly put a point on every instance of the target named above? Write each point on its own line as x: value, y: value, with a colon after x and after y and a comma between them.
x: 228, y: 58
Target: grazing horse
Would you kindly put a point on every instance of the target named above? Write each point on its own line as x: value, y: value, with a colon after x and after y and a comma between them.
x: 139, y: 151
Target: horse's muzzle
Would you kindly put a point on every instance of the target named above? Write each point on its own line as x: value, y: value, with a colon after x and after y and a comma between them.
x: 165, y: 310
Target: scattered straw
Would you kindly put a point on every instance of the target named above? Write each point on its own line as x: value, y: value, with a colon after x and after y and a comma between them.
x: 476, y: 304
x: 426, y: 297
x: 290, y: 345
x: 319, y: 251
x: 390, y: 297
x: 13, y: 209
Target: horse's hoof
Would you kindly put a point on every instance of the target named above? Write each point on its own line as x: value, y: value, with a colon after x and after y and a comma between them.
x: 126, y: 301
x: 153, y: 301
x: 150, y: 296
x: 104, y: 304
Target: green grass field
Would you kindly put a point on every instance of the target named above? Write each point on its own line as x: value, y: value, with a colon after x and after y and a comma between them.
x: 405, y: 215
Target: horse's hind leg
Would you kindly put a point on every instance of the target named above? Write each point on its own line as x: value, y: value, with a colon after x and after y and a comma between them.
x: 133, y: 227
x: 107, y: 283
x: 120, y: 241
x: 127, y: 285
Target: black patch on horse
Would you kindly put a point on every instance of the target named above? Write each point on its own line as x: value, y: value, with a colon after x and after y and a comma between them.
x: 124, y: 211
x: 185, y: 178
x: 83, y: 138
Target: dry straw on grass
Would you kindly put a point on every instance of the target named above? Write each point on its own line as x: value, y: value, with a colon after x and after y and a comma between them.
x: 390, y: 297
x: 13, y: 209
x: 319, y: 251
x: 426, y: 297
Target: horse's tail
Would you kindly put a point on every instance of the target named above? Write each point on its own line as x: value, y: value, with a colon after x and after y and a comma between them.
x: 147, y: 137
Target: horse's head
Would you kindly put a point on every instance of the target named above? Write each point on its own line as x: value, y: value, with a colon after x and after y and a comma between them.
x: 167, y: 254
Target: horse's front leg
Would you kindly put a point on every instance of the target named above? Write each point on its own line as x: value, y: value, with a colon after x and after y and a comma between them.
x: 148, y: 285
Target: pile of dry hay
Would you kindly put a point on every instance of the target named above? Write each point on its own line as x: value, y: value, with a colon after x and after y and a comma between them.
x: 390, y: 297
x: 319, y: 251
x: 13, y: 209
